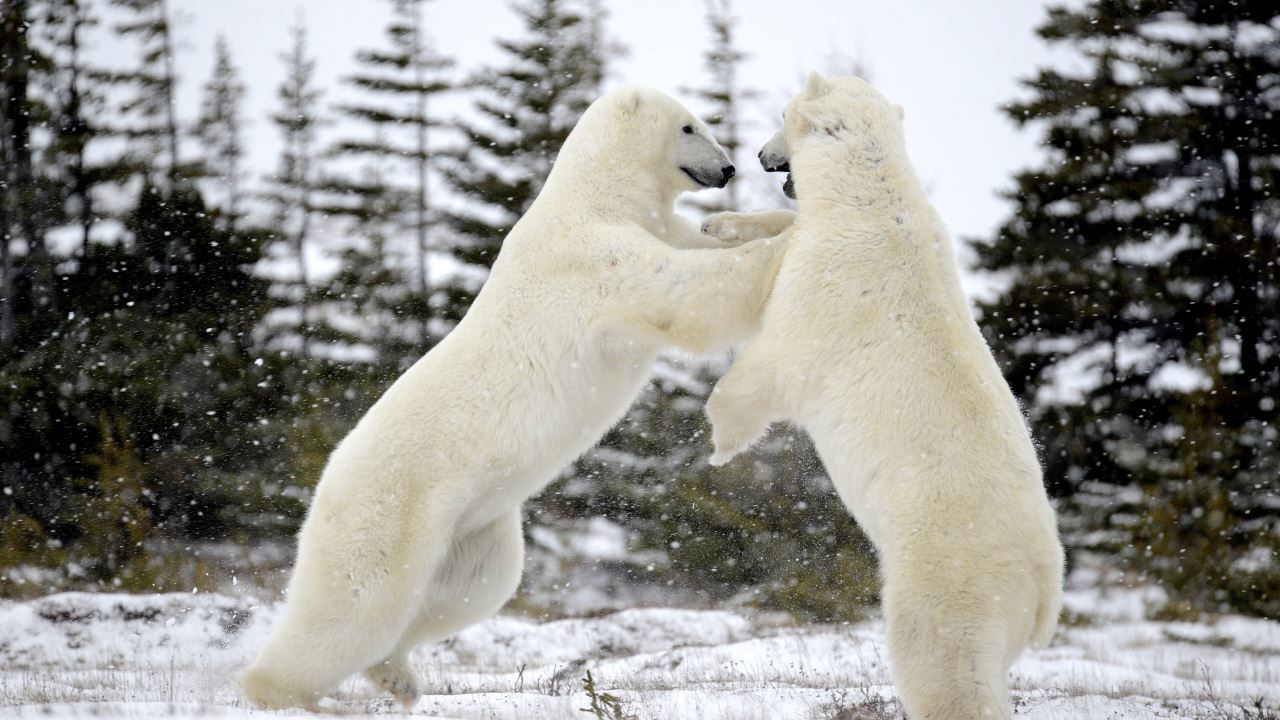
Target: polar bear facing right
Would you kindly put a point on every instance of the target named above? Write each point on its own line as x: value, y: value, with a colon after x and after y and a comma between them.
x: 414, y: 532
x: 867, y: 343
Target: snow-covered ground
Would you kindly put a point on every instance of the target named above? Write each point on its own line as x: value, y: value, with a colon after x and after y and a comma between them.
x: 104, y: 655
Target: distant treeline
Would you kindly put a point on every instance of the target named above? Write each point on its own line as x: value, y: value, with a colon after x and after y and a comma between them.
x: 174, y: 367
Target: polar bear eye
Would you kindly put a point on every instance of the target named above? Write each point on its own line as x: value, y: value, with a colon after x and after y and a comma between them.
x: 687, y: 129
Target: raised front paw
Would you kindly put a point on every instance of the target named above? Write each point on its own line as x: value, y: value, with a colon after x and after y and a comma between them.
x: 729, y: 228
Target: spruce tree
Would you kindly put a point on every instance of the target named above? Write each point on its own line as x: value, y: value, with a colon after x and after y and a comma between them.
x: 398, y: 84
x: 156, y: 362
x: 76, y: 94
x: 724, y: 95
x: 149, y: 117
x: 24, y: 206
x: 371, y: 285
x: 1140, y: 325
x: 149, y: 411
x: 219, y: 129
x: 294, y: 186
x: 525, y: 109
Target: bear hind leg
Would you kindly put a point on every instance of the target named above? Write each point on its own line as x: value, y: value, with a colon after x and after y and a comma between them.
x: 343, y: 614
x: 311, y: 651
x: 944, y: 666
x: 476, y: 578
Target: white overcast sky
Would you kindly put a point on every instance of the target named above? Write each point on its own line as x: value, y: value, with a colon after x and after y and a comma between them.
x: 950, y: 64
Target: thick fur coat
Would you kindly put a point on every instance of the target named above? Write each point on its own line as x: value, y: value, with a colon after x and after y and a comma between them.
x: 414, y: 532
x: 868, y: 344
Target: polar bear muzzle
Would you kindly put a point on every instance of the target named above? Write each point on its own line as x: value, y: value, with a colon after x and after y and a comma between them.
x: 775, y: 156
x: 789, y: 187
x: 702, y: 159
x: 704, y: 179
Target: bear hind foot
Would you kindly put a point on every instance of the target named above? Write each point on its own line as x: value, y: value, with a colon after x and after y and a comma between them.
x: 396, y: 677
x: 260, y: 689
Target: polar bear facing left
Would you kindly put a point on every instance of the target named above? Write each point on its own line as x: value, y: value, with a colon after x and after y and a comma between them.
x: 867, y: 343
x: 414, y: 531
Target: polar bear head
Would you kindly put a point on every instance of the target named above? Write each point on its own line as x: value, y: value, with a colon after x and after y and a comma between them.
x: 638, y: 135
x: 827, y: 118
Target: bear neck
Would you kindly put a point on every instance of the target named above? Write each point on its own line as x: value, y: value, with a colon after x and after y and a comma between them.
x: 876, y: 197
x: 612, y: 186
x: 855, y: 175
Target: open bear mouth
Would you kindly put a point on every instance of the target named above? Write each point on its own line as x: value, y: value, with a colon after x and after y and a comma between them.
x: 695, y: 178
x: 789, y: 187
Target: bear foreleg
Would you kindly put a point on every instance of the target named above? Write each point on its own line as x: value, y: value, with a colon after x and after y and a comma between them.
x: 742, y: 406
x: 735, y: 228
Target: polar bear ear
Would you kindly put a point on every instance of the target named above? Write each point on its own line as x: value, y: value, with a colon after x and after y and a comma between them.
x: 902, y: 112
x: 815, y: 86
x: 629, y: 103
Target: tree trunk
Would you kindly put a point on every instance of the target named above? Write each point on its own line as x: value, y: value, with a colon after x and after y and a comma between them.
x: 171, y: 122
x: 7, y: 294
x: 300, y: 247
x: 424, y: 290
x: 81, y: 187
x: 1246, y: 278
x: 22, y: 211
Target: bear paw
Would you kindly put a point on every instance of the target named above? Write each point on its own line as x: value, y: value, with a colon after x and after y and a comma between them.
x: 727, y: 227
x: 736, y: 422
x: 266, y: 690
x: 726, y: 444
x: 397, y: 678
x: 721, y: 457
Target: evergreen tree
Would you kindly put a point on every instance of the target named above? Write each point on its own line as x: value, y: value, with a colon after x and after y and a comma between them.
x: 371, y: 284
x: 141, y: 397
x: 24, y: 206
x: 152, y: 372
x: 149, y: 118
x: 295, y: 185
x: 143, y: 409
x: 724, y: 95
x: 399, y: 83
x: 767, y: 529
x: 77, y: 97
x: 1141, y: 326
x: 525, y: 110
x: 219, y: 130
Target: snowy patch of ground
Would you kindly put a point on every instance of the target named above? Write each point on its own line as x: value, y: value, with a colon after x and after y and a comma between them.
x: 76, y: 654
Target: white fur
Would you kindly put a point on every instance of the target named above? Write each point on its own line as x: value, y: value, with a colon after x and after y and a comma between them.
x: 414, y: 532
x: 867, y: 343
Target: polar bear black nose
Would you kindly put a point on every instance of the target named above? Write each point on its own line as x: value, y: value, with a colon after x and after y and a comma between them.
x: 727, y: 172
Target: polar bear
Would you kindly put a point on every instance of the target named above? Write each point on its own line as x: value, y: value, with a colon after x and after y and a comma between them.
x: 867, y: 343
x: 414, y: 532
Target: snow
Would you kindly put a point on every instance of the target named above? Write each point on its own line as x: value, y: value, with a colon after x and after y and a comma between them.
x: 65, y: 241
x: 1069, y: 381
x: 1179, y: 377
x: 599, y: 539
x: 108, y: 655
x: 1151, y: 153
